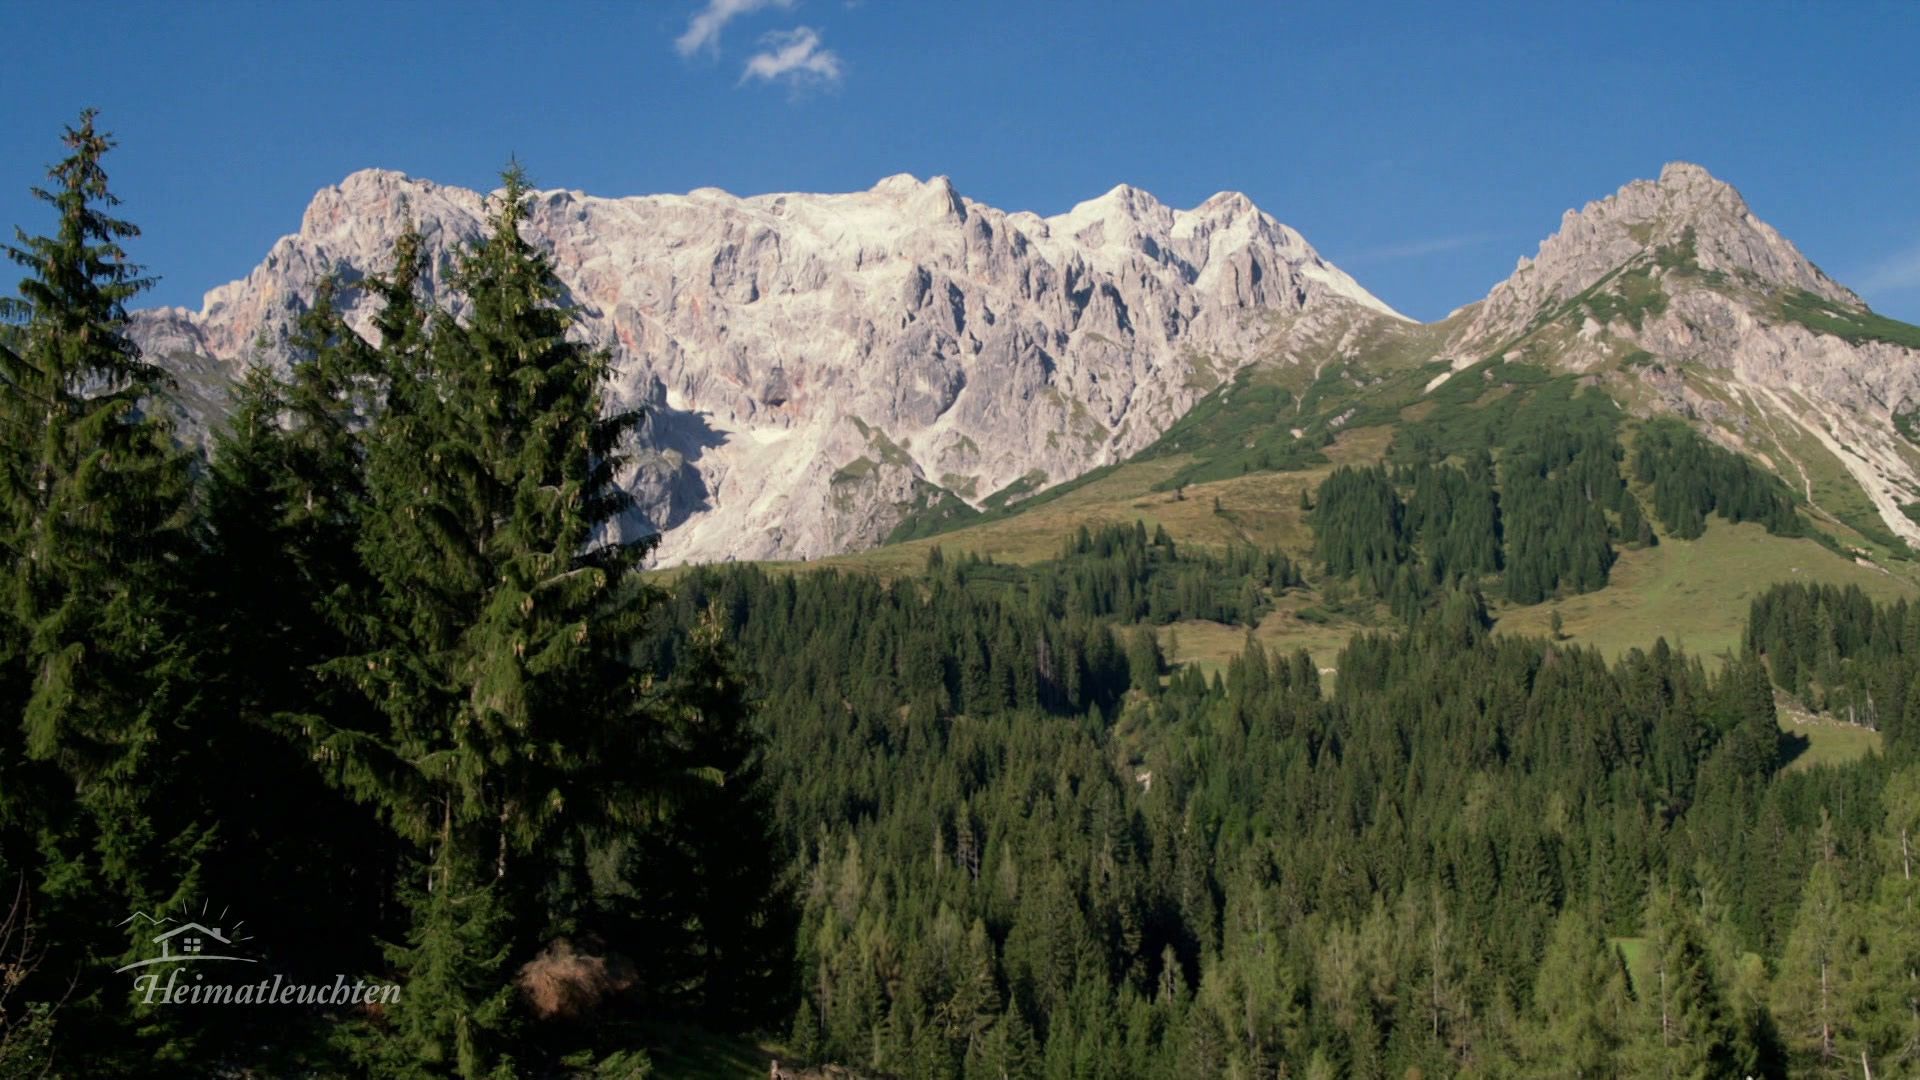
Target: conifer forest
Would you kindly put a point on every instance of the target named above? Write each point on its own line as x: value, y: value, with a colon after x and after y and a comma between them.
x: 383, y: 668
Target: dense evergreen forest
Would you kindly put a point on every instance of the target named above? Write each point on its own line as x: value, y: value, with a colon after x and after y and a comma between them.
x: 1021, y: 856
x: 1547, y: 520
x: 365, y: 685
x: 376, y: 675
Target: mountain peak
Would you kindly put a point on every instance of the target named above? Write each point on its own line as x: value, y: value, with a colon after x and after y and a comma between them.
x: 810, y: 363
x: 1121, y: 200
x: 933, y: 197
x: 904, y: 183
x: 1232, y: 202
x: 1686, y: 172
x: 1687, y: 217
x: 1685, y: 195
x: 375, y: 178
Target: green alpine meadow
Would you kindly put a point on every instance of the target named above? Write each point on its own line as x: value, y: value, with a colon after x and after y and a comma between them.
x: 859, y: 632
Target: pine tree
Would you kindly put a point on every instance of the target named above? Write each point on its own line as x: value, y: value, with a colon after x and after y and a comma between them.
x: 1886, y: 999
x: 1580, y: 1000
x: 1633, y: 524
x: 95, y: 497
x: 975, y: 1003
x: 1687, y: 1027
x: 1817, y: 971
x: 1144, y: 661
x: 500, y: 646
x: 716, y: 854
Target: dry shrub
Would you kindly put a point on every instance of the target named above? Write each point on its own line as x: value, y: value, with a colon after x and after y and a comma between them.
x: 564, y: 984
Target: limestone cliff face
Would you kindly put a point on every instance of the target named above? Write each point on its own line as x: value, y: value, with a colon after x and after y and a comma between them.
x: 815, y: 365
x: 1685, y: 207
x: 1674, y: 294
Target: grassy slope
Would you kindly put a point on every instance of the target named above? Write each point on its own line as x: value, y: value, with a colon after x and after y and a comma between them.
x: 1815, y: 740
x: 1696, y: 593
x: 1826, y: 743
x: 1693, y: 593
x: 1260, y: 508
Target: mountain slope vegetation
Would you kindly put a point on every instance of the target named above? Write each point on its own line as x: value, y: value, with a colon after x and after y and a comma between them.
x: 1533, y: 694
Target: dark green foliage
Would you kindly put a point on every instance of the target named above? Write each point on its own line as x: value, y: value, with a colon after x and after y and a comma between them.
x: 97, y: 804
x: 1542, y: 525
x: 1692, y: 478
x: 1540, y: 517
x: 1246, y: 873
x: 1634, y: 530
x: 714, y: 861
x: 1631, y: 296
x: 1456, y: 514
x: 1555, y: 489
x: 1118, y: 572
x: 1686, y: 1026
x: 499, y: 654
x: 1843, y: 654
x: 1905, y: 424
x: 934, y: 510
x: 1495, y: 404
x: 396, y: 635
x: 1243, y: 426
x: 1360, y: 528
x: 1856, y: 327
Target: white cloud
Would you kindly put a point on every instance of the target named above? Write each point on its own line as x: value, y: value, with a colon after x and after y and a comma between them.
x: 796, y: 56
x: 1896, y: 273
x: 703, y: 30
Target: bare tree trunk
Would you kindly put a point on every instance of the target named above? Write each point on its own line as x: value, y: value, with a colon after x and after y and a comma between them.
x: 1666, y: 1027
x: 1434, y: 982
x: 1826, y: 1028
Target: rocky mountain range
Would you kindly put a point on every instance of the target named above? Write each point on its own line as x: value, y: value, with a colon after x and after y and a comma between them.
x: 817, y: 368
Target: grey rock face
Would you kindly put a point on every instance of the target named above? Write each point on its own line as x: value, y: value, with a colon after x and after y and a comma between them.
x: 813, y: 363
x: 1681, y: 271
x: 1686, y: 209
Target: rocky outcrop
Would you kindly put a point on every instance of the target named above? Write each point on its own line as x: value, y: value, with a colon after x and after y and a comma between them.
x: 1686, y: 210
x: 813, y: 365
x: 1719, y: 318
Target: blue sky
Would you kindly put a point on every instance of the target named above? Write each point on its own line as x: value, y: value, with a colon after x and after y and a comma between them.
x: 1423, y: 147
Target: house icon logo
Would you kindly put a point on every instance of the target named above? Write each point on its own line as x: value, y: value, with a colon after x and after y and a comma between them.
x: 187, y: 942
x: 189, y: 939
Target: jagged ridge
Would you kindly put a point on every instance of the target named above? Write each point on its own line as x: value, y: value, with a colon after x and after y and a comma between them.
x: 1683, y: 301
x: 815, y: 365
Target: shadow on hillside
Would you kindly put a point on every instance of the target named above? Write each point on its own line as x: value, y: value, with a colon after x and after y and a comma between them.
x: 669, y: 482
x: 1792, y: 745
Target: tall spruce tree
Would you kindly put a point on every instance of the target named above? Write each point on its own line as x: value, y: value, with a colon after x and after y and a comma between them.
x: 93, y: 514
x: 1581, y: 1001
x: 500, y: 642
x: 283, y: 501
x: 1685, y: 1027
